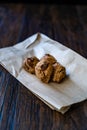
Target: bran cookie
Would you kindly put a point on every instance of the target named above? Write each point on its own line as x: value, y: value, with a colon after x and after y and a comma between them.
x: 49, y: 58
x: 59, y: 72
x: 30, y: 63
x: 43, y: 70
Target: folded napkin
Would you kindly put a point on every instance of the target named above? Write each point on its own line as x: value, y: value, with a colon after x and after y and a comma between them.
x: 57, y: 96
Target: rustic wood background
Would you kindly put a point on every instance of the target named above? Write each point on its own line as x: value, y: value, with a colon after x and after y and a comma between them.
x: 19, y: 108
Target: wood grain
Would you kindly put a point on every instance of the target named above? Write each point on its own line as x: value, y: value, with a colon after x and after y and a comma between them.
x: 19, y: 108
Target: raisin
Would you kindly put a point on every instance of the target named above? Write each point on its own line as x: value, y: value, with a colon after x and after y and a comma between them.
x: 44, y: 66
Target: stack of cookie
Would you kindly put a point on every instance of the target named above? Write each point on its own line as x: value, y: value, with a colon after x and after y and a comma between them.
x: 46, y: 69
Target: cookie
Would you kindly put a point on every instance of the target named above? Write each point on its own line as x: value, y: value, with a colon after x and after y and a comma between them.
x: 43, y: 70
x: 30, y: 63
x: 59, y: 72
x: 49, y: 58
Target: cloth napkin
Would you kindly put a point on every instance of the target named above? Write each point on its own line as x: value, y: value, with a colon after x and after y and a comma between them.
x: 58, y: 96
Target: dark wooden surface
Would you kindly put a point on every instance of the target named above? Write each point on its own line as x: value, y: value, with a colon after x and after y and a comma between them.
x: 19, y: 108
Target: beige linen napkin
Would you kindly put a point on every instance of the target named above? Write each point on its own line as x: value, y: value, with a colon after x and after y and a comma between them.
x: 57, y: 96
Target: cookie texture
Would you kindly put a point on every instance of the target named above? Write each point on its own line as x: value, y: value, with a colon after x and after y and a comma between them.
x: 46, y: 69
x: 49, y: 58
x: 43, y: 70
x: 59, y: 72
x: 30, y: 63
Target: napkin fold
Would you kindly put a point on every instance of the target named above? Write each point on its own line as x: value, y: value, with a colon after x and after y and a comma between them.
x: 57, y: 96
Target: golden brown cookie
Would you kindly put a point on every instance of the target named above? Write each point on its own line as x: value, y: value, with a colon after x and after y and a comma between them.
x: 59, y: 72
x: 43, y: 70
x: 30, y: 63
x: 49, y: 58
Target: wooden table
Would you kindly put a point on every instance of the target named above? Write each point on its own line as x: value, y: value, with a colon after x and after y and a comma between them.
x: 19, y: 108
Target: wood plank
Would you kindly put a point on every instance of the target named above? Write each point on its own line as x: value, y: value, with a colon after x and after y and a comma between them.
x: 19, y: 108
